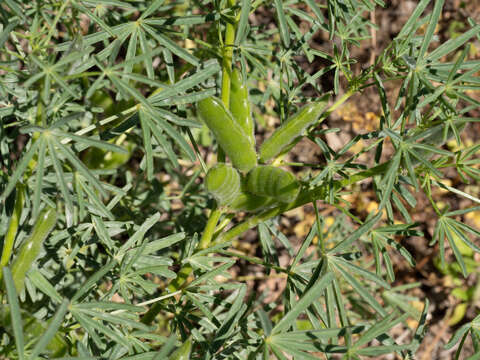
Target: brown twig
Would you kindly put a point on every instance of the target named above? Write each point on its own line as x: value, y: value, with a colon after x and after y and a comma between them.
x: 374, y: 38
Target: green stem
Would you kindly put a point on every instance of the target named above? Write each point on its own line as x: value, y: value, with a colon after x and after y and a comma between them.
x: 103, y: 122
x: 12, y: 229
x: 362, y: 175
x: 321, y: 240
x: 210, y: 229
x: 428, y: 192
x: 227, y: 59
x: 339, y: 102
x: 227, y: 69
x: 181, y: 278
x: 55, y: 21
x: 205, y: 241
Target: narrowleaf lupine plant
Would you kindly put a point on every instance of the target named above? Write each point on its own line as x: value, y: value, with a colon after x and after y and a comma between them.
x: 136, y: 157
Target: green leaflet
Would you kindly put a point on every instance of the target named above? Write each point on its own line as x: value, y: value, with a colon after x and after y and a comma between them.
x: 9, y: 239
x: 273, y: 182
x: 240, y: 106
x: 31, y: 247
x: 230, y: 135
x: 436, y: 139
x: 292, y: 128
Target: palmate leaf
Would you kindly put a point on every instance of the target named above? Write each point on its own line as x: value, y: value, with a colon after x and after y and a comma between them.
x: 466, y: 163
x: 473, y: 329
x: 152, y: 117
x: 379, y: 329
x: 305, y: 301
x: 383, y: 238
x: 299, y: 343
x: 139, y: 31
x: 455, y: 233
x: 359, y: 288
x: 338, y: 264
x: 396, y: 298
x: 49, y: 71
x: 424, y: 69
x: 411, y: 154
x: 49, y: 144
x: 100, y: 323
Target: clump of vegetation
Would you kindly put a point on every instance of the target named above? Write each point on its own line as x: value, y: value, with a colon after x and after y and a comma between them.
x: 135, y: 156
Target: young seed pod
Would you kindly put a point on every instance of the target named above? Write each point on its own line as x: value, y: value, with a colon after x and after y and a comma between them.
x: 240, y: 106
x: 292, y: 128
x: 223, y: 182
x: 230, y: 135
x: 273, y: 182
x: 250, y: 202
x: 31, y: 247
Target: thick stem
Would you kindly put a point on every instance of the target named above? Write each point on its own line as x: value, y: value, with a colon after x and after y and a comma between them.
x: 228, y: 44
x: 209, y: 229
x: 339, y: 103
x: 227, y: 61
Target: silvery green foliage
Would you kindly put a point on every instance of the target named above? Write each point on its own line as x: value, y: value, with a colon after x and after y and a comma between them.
x: 84, y: 80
